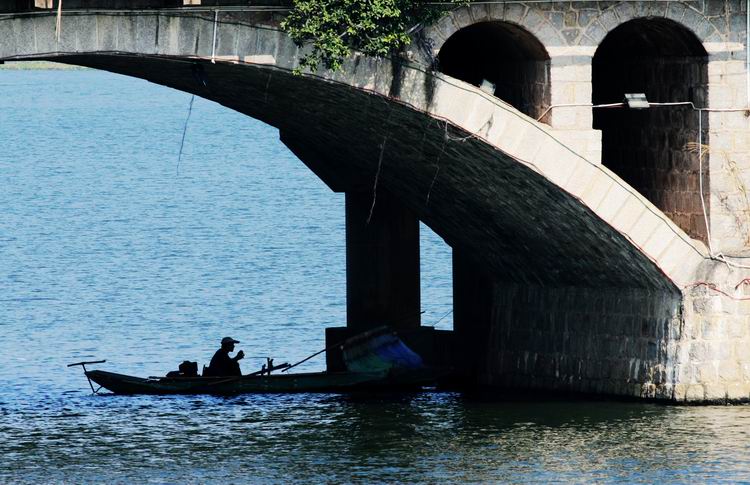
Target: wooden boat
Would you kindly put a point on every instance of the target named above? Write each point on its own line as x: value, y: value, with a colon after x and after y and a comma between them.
x: 275, y: 383
x: 376, y: 359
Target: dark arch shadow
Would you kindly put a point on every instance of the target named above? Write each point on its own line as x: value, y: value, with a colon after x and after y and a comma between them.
x: 507, y: 56
x: 654, y: 149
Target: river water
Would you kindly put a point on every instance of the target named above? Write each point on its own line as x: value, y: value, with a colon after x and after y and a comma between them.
x: 110, y: 249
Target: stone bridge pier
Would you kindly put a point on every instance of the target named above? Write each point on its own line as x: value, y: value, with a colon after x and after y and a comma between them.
x: 597, y: 248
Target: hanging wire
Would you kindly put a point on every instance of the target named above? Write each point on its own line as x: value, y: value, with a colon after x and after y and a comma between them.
x: 184, y: 131
x: 442, y: 318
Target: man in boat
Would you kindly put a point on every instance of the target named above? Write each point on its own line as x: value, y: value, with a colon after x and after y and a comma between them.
x: 223, y: 365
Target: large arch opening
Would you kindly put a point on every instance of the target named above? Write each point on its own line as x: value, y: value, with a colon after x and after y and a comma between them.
x: 654, y: 149
x: 507, y: 56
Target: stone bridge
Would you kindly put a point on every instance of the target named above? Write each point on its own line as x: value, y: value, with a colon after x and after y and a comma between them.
x: 593, y: 250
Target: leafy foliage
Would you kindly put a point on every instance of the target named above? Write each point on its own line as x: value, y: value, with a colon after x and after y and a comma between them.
x: 374, y: 27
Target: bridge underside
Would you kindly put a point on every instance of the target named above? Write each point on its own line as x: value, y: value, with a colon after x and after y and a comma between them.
x: 546, y: 295
x: 520, y: 226
x: 565, y: 277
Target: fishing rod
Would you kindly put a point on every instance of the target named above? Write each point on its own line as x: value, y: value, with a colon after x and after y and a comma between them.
x: 347, y: 340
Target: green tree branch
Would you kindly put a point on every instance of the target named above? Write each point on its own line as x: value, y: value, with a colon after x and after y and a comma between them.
x: 376, y: 28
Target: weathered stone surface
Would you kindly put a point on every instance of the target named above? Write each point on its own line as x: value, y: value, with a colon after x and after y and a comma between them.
x: 589, y: 287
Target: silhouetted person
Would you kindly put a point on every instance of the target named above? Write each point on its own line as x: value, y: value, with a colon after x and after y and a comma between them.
x: 223, y: 365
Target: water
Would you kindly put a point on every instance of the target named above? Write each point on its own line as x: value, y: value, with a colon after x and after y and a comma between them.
x: 108, y: 249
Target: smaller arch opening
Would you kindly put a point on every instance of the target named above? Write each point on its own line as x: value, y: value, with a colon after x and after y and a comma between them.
x: 507, y: 56
x: 655, y: 149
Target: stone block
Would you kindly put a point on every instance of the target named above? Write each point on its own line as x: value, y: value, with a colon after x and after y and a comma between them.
x: 563, y: 92
x: 721, y: 350
x: 145, y: 35
x: 736, y: 328
x: 729, y: 372
x: 67, y: 42
x: 515, y: 12
x: 480, y: 13
x: 717, y: 72
x: 614, y: 202
x: 706, y: 372
x: 686, y: 273
x: 21, y: 39
x: 461, y: 17
x: 247, y: 40
x: 85, y: 29
x: 737, y: 391
x: 563, y: 73
x: 699, y: 351
x: 451, y: 99
x: 675, y: 11
x: 673, y: 255
x: 266, y: 43
x: 287, y: 57
x: 679, y: 392
x: 126, y: 34
x: 585, y: 175
x: 705, y: 303
x: 695, y: 392
x: 169, y: 35
x: 741, y: 349
x: 647, y: 224
x: 594, y: 195
x: 529, y: 145
x: 514, y: 136
x: 685, y: 373
x: 715, y: 392
x: 741, y: 141
x: 496, y: 11
x: 555, y: 162
x: 564, y: 118
x: 584, y: 142
x: 721, y: 96
x: 480, y: 115
x: 582, y: 94
x: 500, y: 119
x: 660, y: 240
x: 227, y: 38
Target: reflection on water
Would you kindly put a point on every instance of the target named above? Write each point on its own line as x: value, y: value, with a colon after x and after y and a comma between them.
x: 105, y: 252
x: 426, y: 437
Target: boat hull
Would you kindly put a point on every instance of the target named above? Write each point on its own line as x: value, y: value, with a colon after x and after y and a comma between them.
x: 278, y: 383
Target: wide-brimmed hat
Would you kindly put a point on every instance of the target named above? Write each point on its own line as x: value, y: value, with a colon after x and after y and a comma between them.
x: 229, y: 340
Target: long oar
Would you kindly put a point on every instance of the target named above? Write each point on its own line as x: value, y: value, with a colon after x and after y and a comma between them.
x: 344, y: 342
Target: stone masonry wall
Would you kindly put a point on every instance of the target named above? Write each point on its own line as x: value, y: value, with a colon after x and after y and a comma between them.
x: 611, y: 341
x: 713, y: 353
x: 571, y: 32
x: 626, y: 342
x: 651, y: 148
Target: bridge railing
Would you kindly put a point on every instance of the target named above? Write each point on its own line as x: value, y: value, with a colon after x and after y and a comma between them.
x: 22, y: 6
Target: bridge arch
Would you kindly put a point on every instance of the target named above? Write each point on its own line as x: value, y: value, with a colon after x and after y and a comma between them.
x: 459, y: 137
x: 678, y: 13
x: 655, y: 150
x: 516, y: 15
x: 549, y: 227
x: 513, y: 64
